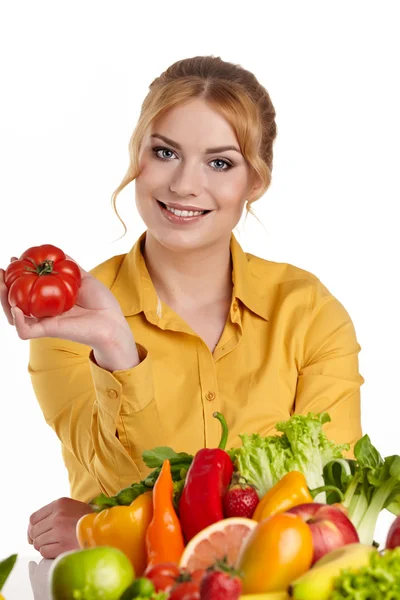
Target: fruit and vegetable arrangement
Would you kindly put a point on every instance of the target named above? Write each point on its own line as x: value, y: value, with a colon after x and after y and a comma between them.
x: 278, y: 517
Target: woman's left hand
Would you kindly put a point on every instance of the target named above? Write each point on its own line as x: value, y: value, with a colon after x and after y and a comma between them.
x: 52, y: 529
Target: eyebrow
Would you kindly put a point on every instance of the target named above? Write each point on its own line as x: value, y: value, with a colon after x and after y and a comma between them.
x: 208, y: 150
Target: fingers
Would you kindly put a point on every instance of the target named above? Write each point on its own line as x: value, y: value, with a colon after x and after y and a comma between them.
x: 27, y: 327
x: 52, y: 550
x: 45, y: 538
x: 40, y: 514
x: 42, y: 528
x: 4, y: 295
x: 39, y: 525
x: 4, y: 299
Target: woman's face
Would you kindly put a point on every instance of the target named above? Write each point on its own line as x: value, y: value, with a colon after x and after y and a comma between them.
x: 189, y: 194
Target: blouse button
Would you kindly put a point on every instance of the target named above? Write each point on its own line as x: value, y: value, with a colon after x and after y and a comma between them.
x: 113, y: 394
x: 235, y: 306
x: 210, y: 396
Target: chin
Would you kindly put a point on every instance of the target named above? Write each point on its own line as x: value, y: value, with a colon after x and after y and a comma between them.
x: 182, y: 241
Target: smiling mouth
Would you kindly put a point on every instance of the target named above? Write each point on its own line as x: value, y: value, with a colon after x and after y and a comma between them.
x: 183, y: 212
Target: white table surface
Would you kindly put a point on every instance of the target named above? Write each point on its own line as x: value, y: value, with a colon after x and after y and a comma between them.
x: 28, y: 579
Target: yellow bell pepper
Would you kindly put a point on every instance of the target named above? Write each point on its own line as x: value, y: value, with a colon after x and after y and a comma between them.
x: 290, y: 491
x: 122, y: 527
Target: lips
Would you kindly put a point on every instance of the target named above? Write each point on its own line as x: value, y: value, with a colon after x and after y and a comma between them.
x: 187, y: 208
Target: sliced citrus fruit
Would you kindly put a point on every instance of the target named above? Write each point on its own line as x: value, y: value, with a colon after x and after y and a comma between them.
x: 221, y: 539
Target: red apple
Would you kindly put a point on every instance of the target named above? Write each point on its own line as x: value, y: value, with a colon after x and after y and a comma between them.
x: 329, y: 525
x: 393, y: 536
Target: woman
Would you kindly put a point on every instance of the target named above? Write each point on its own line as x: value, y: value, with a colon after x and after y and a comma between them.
x: 186, y: 323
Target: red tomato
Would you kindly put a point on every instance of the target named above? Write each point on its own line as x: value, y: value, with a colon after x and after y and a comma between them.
x: 163, y: 576
x: 197, y: 575
x: 188, y: 590
x: 43, y: 282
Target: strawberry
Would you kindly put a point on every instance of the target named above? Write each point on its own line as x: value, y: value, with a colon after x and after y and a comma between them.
x: 220, y: 582
x: 240, y: 499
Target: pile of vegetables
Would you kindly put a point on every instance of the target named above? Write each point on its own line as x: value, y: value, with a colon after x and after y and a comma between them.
x: 312, y: 513
x: 364, y: 486
x: 297, y: 474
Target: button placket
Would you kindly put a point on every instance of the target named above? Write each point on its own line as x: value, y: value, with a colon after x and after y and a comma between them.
x: 209, y: 396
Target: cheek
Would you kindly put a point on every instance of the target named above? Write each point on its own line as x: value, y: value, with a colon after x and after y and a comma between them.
x: 150, y: 179
x: 231, y: 188
x: 230, y: 195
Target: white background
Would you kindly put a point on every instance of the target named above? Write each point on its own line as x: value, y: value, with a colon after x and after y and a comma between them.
x: 73, y: 76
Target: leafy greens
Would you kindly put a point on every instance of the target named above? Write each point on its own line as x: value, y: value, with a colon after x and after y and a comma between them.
x: 180, y: 463
x: 303, y: 447
x: 369, y: 484
x: 380, y: 580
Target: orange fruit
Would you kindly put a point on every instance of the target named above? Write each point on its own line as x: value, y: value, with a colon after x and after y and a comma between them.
x: 221, y: 539
x: 277, y: 552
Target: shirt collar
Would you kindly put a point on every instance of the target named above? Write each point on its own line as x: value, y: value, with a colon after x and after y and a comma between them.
x: 133, y: 283
x: 248, y: 285
x: 136, y: 293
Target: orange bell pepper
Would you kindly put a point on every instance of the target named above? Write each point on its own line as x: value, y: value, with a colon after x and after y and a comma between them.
x: 122, y: 527
x: 277, y: 551
x: 290, y: 491
x: 164, y: 538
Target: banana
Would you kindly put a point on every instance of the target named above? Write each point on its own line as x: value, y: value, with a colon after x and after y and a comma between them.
x: 318, y: 582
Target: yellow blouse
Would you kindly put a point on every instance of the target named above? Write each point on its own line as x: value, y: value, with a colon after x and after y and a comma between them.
x: 288, y: 346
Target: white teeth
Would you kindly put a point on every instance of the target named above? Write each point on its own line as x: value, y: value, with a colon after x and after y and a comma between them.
x: 185, y: 213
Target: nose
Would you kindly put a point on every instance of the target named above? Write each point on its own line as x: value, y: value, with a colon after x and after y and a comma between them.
x: 187, y: 179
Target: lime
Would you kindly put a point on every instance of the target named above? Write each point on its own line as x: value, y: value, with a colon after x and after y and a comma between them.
x: 100, y: 573
x: 141, y: 587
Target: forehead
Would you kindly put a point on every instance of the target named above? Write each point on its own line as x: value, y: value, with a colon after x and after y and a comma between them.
x: 194, y: 124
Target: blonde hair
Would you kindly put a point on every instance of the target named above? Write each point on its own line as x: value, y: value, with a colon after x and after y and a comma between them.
x: 229, y: 89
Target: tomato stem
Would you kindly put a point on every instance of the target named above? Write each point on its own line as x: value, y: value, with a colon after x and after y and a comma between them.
x: 44, y: 268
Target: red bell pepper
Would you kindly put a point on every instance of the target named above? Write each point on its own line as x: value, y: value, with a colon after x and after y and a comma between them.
x: 207, y: 480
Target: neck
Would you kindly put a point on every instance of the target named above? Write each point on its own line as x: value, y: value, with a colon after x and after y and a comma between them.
x: 189, y: 279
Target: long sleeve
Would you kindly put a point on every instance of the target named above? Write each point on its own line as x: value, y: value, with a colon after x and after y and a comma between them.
x: 83, y: 404
x: 329, y: 378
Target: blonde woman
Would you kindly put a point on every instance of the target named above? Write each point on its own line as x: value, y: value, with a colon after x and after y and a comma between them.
x: 186, y: 323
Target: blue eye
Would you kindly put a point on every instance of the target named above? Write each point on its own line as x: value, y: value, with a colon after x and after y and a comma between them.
x: 161, y: 149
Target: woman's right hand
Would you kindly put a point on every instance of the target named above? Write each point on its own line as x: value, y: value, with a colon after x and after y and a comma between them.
x: 96, y: 320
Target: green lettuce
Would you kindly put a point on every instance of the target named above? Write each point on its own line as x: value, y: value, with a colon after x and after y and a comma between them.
x: 380, y: 580
x: 303, y: 446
